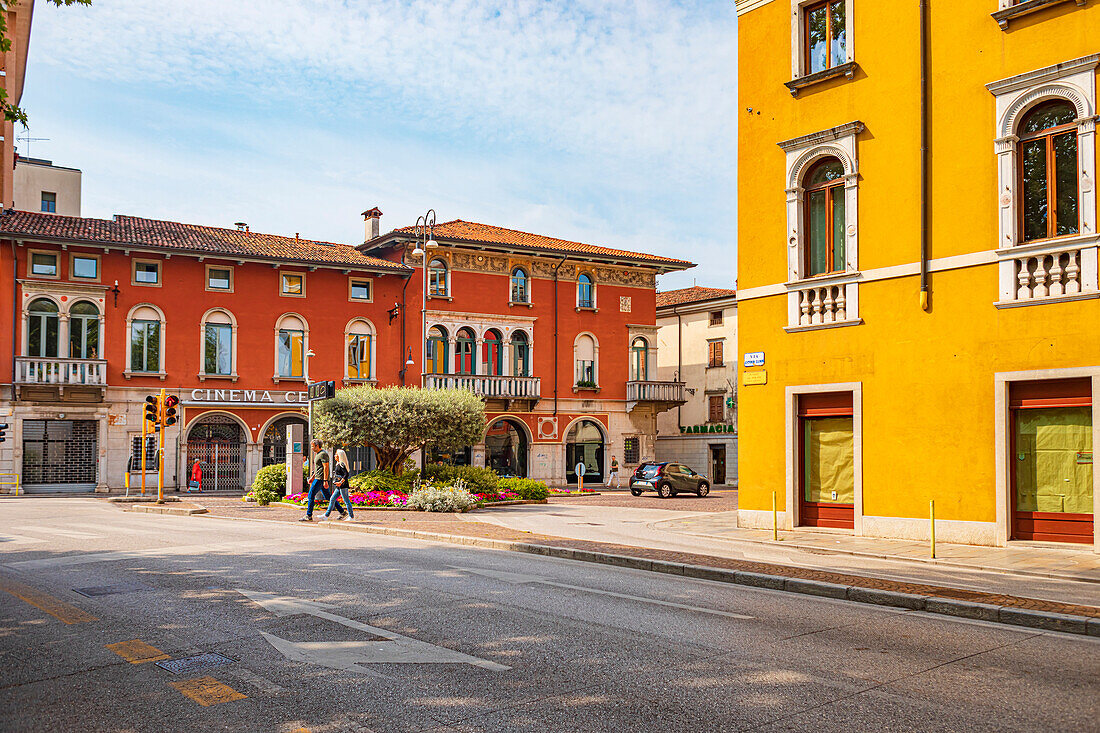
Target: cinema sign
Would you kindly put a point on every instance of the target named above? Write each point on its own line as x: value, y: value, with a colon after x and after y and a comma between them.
x: 245, y: 397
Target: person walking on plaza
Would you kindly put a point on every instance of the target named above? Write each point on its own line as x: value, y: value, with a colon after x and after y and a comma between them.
x: 341, y: 472
x: 613, y: 476
x: 317, y: 479
x: 195, y: 483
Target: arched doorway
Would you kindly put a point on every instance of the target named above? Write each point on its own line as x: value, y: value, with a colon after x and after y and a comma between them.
x: 218, y: 441
x: 275, y: 439
x: 584, y: 444
x: 506, y: 449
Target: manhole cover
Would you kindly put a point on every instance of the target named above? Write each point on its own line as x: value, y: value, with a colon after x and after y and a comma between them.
x: 107, y: 590
x: 187, y: 665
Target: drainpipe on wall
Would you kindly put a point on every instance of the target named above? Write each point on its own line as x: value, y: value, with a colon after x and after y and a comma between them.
x: 556, y: 268
x: 14, y: 312
x: 925, y: 291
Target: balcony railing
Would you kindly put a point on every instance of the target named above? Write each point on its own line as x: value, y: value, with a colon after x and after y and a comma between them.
x: 650, y: 391
x: 1048, y: 275
x: 63, y: 372
x: 503, y: 388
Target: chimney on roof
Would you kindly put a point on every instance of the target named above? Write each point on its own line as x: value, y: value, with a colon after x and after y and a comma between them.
x: 372, y: 222
x: 241, y: 226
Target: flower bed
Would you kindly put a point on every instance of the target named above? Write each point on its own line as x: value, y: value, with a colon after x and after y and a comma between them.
x: 566, y: 492
x: 387, y: 499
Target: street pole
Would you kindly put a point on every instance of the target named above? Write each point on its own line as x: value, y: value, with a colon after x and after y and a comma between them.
x: 160, y: 448
x: 424, y: 231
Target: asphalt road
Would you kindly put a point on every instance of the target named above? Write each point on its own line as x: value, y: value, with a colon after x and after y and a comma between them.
x: 342, y: 631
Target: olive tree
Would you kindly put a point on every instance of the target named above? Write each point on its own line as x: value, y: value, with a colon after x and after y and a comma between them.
x: 396, y: 421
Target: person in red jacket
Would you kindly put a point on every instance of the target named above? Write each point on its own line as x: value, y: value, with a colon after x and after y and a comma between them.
x: 195, y: 484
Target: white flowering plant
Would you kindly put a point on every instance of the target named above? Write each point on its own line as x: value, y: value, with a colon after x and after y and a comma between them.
x: 429, y: 498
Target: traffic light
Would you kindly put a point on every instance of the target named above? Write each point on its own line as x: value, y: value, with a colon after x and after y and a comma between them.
x: 152, y: 409
x: 3, y: 429
x: 169, y: 416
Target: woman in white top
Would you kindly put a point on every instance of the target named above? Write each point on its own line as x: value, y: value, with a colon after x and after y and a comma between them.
x: 341, y: 472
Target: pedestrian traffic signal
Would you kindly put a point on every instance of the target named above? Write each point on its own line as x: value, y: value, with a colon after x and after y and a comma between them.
x: 3, y: 429
x: 169, y: 415
x: 152, y: 409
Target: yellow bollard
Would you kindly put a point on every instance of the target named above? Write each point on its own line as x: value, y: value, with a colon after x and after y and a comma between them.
x: 932, y: 521
x: 775, y: 520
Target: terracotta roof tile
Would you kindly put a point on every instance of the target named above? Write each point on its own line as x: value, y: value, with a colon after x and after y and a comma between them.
x: 695, y: 294
x: 474, y: 232
x: 171, y: 235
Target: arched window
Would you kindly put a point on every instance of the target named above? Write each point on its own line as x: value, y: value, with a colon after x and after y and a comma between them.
x: 437, y: 278
x: 145, y: 339
x: 290, y: 350
x: 435, y: 354
x: 43, y: 324
x: 521, y: 354
x: 83, y: 331
x: 1048, y: 171
x: 492, y: 353
x: 639, y: 360
x: 586, y: 294
x: 584, y: 350
x: 360, y: 350
x: 464, y: 352
x: 520, y: 292
x: 824, y: 184
x: 218, y: 352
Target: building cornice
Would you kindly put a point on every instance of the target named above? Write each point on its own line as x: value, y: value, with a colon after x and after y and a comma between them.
x: 824, y: 136
x: 1044, y: 75
x: 744, y: 6
x: 698, y: 306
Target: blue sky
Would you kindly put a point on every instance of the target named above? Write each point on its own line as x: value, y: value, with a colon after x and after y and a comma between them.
x: 605, y: 121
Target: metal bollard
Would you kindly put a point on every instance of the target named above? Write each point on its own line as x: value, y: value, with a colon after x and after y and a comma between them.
x: 775, y: 520
x: 932, y: 522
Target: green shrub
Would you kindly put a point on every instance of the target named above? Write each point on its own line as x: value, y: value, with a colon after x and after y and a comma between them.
x: 272, y: 479
x: 478, y: 480
x: 264, y: 495
x: 379, y: 480
x: 528, y: 488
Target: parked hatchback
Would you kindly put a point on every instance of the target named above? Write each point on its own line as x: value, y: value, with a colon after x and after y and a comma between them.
x: 668, y: 479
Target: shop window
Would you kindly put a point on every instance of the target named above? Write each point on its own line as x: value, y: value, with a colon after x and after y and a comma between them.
x: 520, y: 284
x: 521, y: 354
x: 44, y: 264
x: 146, y: 272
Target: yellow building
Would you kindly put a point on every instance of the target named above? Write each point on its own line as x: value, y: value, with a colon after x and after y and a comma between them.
x: 918, y: 296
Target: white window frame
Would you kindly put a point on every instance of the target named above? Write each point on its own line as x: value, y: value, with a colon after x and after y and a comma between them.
x: 280, y: 324
x: 130, y: 318
x: 801, y: 153
x: 212, y: 289
x: 202, y: 375
x: 446, y: 278
x: 526, y: 285
x: 373, y: 333
x: 1075, y: 82
x: 595, y: 360
x: 798, y: 60
x: 577, y: 284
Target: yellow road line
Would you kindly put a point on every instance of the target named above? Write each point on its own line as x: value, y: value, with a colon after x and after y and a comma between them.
x: 208, y: 691
x: 137, y: 651
x: 45, y: 602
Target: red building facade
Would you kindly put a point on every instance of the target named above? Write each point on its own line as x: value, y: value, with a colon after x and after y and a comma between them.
x: 558, y: 337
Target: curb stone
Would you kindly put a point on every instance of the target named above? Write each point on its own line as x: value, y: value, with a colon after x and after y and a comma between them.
x: 857, y: 594
x: 178, y: 511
